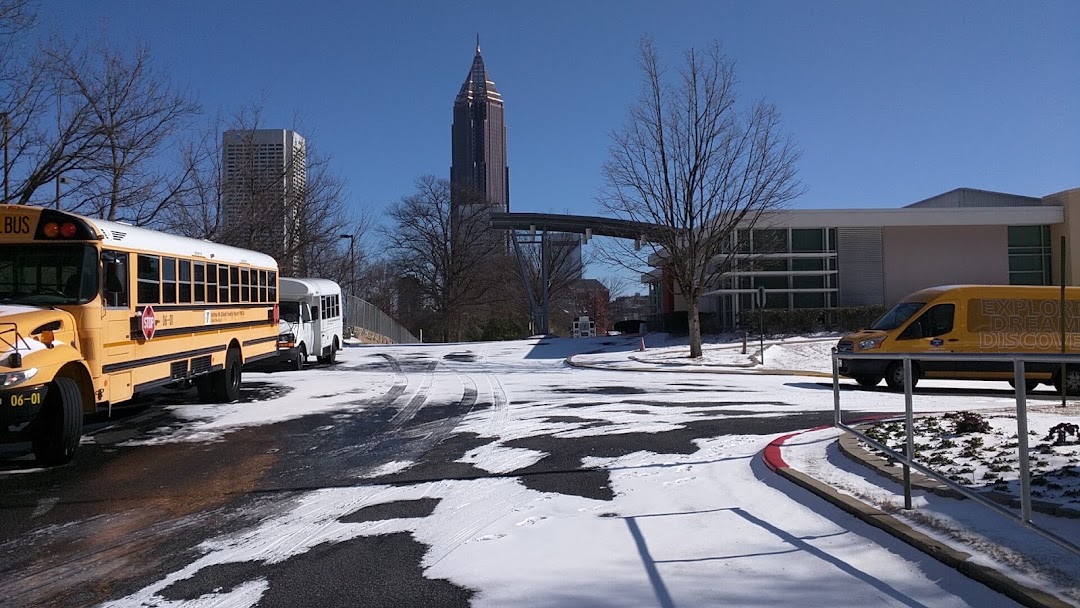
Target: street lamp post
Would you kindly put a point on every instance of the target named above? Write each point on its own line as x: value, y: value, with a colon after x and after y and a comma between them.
x: 352, y: 274
x: 352, y: 261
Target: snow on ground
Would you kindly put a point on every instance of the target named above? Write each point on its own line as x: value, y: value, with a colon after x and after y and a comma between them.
x: 712, y: 527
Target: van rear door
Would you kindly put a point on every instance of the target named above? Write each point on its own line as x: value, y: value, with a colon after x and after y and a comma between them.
x: 933, y: 331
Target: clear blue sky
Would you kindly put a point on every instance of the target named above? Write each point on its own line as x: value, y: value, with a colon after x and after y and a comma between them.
x: 890, y: 102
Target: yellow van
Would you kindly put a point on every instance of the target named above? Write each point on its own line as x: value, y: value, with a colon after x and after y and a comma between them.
x: 969, y: 319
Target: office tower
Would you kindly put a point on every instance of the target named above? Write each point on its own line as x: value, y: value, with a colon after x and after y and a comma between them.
x: 264, y: 174
x: 478, y: 138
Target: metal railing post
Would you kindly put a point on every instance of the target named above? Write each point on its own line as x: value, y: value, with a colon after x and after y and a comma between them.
x: 909, y: 427
x: 1022, y: 439
x: 836, y: 388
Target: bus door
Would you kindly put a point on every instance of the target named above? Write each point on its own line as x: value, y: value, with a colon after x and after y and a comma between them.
x: 317, y: 327
x: 933, y: 331
x: 118, y: 345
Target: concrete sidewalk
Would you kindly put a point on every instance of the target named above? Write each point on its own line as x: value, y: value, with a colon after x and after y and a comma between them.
x: 773, y: 458
x: 996, y: 580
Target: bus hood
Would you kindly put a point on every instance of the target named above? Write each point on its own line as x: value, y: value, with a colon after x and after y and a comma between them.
x: 21, y: 327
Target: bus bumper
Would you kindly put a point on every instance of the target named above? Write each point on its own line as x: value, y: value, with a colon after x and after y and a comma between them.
x: 18, y: 407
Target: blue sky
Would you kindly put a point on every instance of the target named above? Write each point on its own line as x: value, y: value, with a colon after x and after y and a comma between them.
x: 890, y: 102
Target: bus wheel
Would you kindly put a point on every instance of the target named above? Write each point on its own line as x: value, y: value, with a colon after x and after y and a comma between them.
x: 894, y: 375
x: 1072, y: 381
x: 869, y: 381
x: 301, y: 358
x: 59, y: 425
x: 227, y: 381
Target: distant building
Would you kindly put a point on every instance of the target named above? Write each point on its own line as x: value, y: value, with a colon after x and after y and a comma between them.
x: 564, y: 255
x: 478, y: 138
x: 635, y: 307
x: 264, y: 175
x: 829, y: 258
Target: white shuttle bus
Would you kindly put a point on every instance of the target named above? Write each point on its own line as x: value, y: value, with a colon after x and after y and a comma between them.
x: 310, y: 321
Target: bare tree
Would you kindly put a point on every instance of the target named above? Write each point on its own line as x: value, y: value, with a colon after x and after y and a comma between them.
x: 693, y: 164
x: 447, y: 251
x: 135, y: 113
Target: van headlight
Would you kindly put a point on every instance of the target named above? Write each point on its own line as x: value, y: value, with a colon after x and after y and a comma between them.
x: 870, y: 344
x: 17, y: 378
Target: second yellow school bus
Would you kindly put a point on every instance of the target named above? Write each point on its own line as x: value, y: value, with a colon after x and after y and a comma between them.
x: 92, y: 312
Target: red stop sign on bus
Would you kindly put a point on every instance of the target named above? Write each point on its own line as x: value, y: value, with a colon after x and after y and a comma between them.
x: 148, y: 322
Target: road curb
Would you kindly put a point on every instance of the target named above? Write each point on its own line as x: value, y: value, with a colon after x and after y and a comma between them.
x: 945, y: 554
x: 699, y: 370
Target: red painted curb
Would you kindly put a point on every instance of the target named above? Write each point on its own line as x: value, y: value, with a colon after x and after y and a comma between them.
x: 772, y: 456
x: 774, y: 460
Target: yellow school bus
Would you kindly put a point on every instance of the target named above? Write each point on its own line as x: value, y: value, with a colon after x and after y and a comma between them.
x: 969, y: 319
x: 92, y: 312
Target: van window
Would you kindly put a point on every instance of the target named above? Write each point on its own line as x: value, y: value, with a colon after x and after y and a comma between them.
x: 897, y: 316
x: 936, y: 321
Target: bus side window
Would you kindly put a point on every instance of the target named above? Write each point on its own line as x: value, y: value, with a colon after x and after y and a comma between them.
x: 936, y: 321
x: 115, y: 267
x: 315, y: 313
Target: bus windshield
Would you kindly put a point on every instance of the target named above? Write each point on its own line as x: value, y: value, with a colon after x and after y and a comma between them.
x: 48, y: 274
x: 290, y: 311
x: 897, y: 316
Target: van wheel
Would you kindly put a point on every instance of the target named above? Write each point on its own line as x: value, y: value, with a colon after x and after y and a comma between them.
x: 868, y: 381
x: 1072, y: 381
x: 226, y: 383
x: 59, y: 424
x: 894, y: 375
x: 301, y: 358
x: 1029, y: 385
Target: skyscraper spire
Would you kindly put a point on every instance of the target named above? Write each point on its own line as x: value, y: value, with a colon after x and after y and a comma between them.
x: 477, y: 43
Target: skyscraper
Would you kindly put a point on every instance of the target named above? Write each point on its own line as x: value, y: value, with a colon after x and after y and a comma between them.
x: 264, y: 175
x: 478, y: 137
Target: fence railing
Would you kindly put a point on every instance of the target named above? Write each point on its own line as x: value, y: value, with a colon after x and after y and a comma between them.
x: 907, y: 457
x: 366, y: 321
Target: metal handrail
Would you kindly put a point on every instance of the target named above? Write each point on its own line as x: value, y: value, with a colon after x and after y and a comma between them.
x: 1018, y: 360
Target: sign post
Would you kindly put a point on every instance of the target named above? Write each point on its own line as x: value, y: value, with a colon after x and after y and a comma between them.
x: 759, y: 301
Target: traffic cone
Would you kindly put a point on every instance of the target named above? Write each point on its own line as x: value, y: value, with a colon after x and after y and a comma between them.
x: 642, y: 348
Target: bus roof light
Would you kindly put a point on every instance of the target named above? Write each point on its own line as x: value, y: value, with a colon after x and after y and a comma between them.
x: 67, y: 230
x: 51, y: 230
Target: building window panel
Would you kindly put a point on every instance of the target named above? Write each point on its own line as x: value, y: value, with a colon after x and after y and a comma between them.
x: 809, y: 240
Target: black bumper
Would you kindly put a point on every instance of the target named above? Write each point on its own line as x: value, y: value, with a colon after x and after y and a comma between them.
x: 852, y: 368
x: 18, y: 407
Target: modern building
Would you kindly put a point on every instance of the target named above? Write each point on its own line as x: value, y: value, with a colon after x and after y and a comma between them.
x: 264, y: 175
x: 826, y: 258
x: 478, y: 138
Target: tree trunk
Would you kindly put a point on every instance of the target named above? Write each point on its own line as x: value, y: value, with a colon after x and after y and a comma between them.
x: 695, y: 330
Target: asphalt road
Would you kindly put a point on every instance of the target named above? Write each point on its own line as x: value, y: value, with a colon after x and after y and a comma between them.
x: 122, y: 517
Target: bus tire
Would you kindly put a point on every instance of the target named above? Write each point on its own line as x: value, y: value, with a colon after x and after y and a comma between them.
x: 301, y: 358
x: 227, y: 381
x: 868, y: 381
x: 59, y: 424
x: 1072, y: 381
x: 894, y: 375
